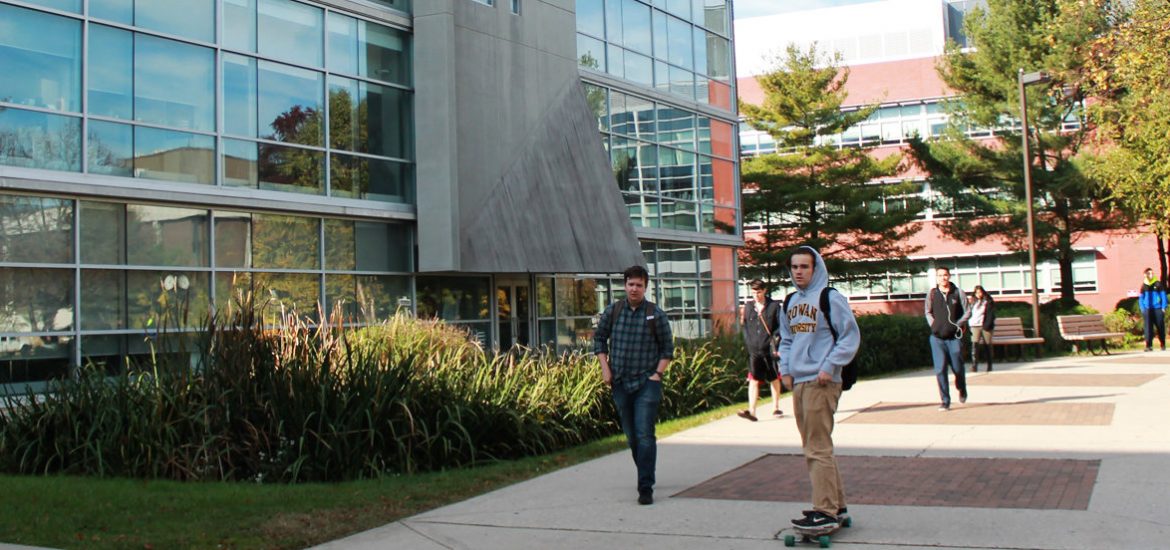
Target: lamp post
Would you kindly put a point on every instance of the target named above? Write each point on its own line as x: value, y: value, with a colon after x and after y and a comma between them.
x: 1024, y: 80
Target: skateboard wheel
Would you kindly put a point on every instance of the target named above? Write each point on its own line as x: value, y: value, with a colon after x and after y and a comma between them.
x: 789, y: 540
x: 825, y: 541
x: 847, y: 523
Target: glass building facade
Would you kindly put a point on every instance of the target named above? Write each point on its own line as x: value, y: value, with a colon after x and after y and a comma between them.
x: 162, y: 159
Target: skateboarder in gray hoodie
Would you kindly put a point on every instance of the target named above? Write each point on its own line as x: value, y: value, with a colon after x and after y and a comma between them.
x: 811, y: 359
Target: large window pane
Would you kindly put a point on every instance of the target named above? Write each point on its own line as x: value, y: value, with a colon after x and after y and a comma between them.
x: 368, y: 49
x: 174, y: 156
x: 163, y: 300
x: 63, y: 5
x: 577, y: 297
x: 174, y: 83
x: 121, y: 11
x: 290, y: 169
x: 161, y: 235
x: 239, y: 25
x: 103, y: 299
x: 111, y: 148
x: 40, y: 59
x: 680, y: 48
x: 676, y: 171
x: 294, y: 293
x: 290, y: 30
x: 366, y: 297
x: 591, y: 17
x: 36, y: 300
x: 367, y: 246
x: 290, y: 104
x: 36, y: 229
x: 40, y: 140
x: 590, y: 52
x: 636, y: 25
x: 371, y: 179
x: 453, y: 298
x: 240, y: 164
x: 240, y: 95
x: 369, y: 118
x: 187, y: 18
x: 233, y: 239
x: 111, y: 72
x: 35, y: 359
x: 284, y: 242
x: 103, y: 233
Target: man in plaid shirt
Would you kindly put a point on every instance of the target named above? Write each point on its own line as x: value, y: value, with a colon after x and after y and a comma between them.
x: 633, y: 360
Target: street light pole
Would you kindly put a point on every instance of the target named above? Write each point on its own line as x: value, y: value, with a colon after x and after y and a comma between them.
x: 1025, y: 79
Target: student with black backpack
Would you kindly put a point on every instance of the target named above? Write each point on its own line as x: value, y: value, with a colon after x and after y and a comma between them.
x: 815, y: 345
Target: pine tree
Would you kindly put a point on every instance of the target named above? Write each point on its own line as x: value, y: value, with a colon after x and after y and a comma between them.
x: 812, y: 191
x: 984, y: 179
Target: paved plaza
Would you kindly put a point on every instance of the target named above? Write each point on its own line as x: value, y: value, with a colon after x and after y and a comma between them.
x: 1071, y: 452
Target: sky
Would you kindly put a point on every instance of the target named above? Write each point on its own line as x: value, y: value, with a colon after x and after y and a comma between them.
x: 756, y: 8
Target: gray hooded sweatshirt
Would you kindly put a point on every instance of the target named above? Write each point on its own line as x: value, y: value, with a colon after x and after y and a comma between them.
x: 806, y: 344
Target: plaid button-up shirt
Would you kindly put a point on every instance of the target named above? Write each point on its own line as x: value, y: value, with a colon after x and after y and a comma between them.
x: 633, y: 354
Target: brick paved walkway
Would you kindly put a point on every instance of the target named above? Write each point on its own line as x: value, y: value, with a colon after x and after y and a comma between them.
x: 1070, y: 380
x: 1046, y: 484
x: 1004, y: 414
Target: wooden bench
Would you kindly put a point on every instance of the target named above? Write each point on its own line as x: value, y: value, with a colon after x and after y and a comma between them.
x: 1010, y: 331
x: 1085, y: 328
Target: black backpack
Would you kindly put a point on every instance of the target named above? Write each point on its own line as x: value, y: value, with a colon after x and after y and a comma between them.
x: 849, y: 371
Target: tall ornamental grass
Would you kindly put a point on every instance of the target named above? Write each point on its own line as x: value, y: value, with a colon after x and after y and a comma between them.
x: 329, y: 402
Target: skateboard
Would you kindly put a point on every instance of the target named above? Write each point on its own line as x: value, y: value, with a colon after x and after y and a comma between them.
x: 822, y: 536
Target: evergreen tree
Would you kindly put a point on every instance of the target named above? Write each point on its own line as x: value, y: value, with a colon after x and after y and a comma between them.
x: 983, y: 180
x: 812, y: 191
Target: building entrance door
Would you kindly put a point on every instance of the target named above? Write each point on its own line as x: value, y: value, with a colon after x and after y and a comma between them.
x: 513, y: 312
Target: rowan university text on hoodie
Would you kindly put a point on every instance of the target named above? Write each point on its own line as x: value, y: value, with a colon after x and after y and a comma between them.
x: 806, y: 344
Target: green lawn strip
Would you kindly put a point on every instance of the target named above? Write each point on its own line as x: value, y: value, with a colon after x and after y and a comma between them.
x: 80, y: 512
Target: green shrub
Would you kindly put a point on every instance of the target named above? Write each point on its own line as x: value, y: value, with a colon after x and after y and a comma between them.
x: 327, y: 402
x: 891, y: 343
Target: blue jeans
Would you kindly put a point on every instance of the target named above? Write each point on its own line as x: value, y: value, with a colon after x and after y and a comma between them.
x: 1155, y: 326
x: 942, y: 351
x: 638, y: 412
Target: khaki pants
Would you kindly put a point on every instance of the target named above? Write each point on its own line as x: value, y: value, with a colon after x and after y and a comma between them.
x: 815, y: 405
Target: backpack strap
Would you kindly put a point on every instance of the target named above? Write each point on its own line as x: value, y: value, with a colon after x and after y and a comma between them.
x: 825, y: 307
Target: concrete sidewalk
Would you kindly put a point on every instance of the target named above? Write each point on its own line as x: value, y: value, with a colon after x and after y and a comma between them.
x: 1061, y: 453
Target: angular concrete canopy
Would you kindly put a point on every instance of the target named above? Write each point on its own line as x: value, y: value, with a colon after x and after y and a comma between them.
x: 512, y: 175
x: 556, y: 208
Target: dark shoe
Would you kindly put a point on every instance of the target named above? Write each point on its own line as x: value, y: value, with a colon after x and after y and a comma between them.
x: 777, y: 412
x: 963, y: 397
x: 1149, y: 349
x: 747, y: 415
x: 645, y: 497
x: 816, y: 520
x: 944, y: 408
x: 990, y: 368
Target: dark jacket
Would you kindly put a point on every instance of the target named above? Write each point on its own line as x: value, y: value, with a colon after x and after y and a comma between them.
x: 760, y: 335
x: 946, y: 313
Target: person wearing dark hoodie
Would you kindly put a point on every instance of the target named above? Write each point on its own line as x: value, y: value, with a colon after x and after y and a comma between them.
x: 946, y: 311
x: 811, y: 359
x: 759, y: 331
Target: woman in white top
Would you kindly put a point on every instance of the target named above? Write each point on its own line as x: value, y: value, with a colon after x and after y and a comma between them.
x: 982, y: 323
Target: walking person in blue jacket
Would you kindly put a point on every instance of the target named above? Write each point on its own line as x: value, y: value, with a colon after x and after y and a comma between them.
x: 811, y: 359
x: 1153, y: 303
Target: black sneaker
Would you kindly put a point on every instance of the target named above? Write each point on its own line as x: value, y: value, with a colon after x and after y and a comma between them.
x: 645, y: 497
x: 816, y: 520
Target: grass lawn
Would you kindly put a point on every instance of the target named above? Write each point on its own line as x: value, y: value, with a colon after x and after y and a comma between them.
x: 80, y: 512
